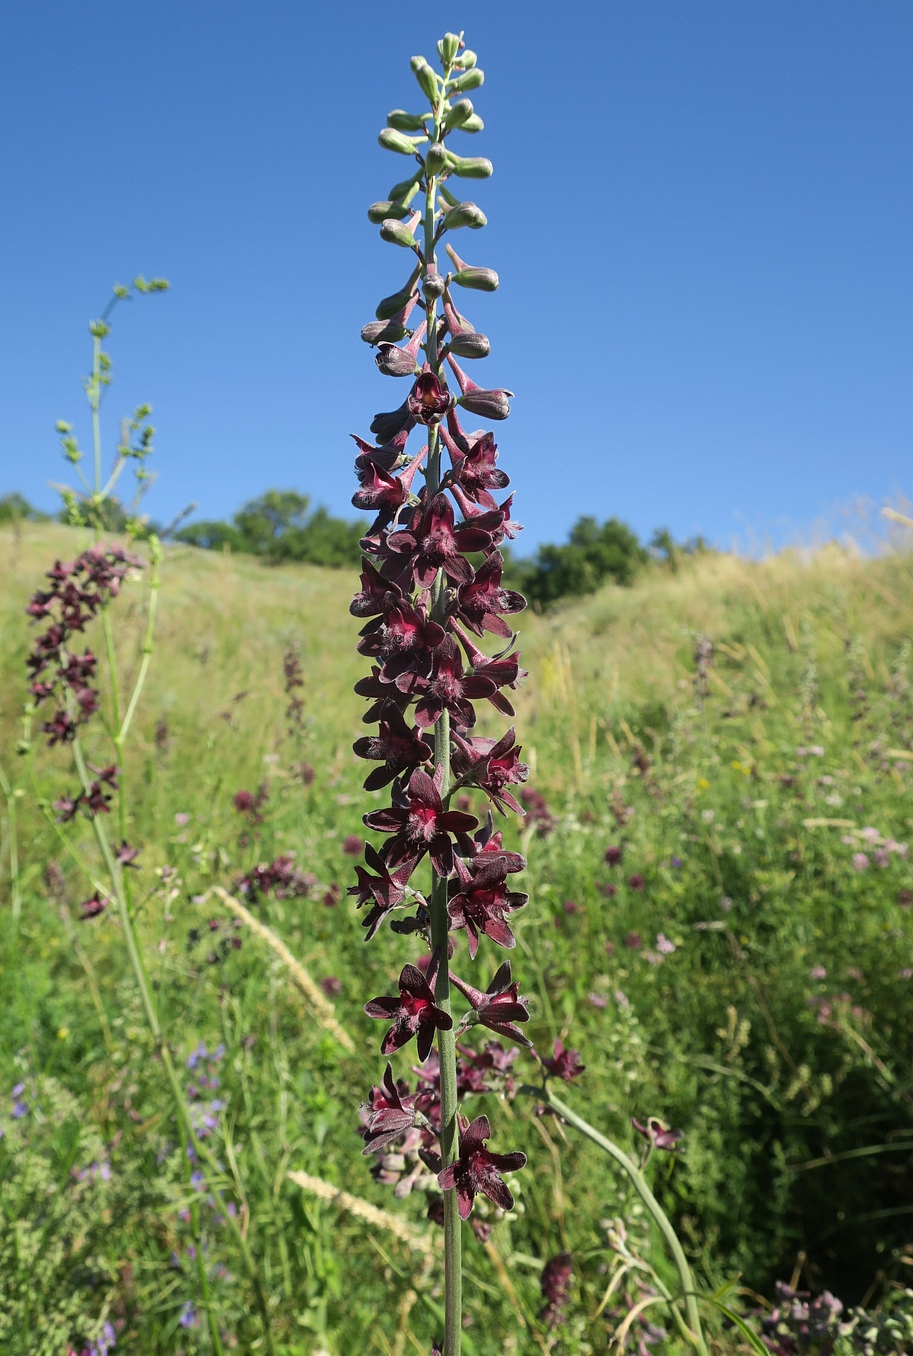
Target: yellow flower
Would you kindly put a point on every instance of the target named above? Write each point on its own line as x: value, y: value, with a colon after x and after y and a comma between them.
x: 63, y: 1032
x: 702, y: 784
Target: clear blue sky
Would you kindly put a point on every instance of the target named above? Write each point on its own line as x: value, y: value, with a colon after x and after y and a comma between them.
x: 702, y: 215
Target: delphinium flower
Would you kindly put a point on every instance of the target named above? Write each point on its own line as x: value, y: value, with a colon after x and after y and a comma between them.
x: 431, y: 581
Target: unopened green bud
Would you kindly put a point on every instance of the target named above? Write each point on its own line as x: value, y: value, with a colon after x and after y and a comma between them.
x: 380, y: 211
x: 435, y: 158
x: 461, y: 111
x: 63, y: 427
x: 397, y: 233
x: 473, y: 124
x: 464, y: 214
x: 406, y: 186
x: 479, y: 279
x: 392, y: 140
x: 425, y: 77
x: 471, y: 79
x: 470, y: 166
x: 390, y: 305
x: 448, y: 47
x: 402, y: 121
x: 465, y: 60
x: 380, y: 331
x: 449, y: 198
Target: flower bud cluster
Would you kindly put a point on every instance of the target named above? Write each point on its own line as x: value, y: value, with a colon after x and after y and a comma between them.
x: 431, y: 588
x: 77, y: 591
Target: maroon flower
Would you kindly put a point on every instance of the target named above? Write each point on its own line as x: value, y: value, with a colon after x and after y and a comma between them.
x: 429, y: 400
x: 388, y: 1113
x: 482, y: 901
x: 613, y: 855
x: 478, y: 1170
x: 351, y: 845
x: 382, y: 692
x: 60, y: 730
x: 448, y: 689
x: 397, y: 744
x: 434, y: 543
x: 499, y: 1006
x: 481, y: 602
x: 403, y: 640
x: 127, y: 855
x: 473, y: 462
x: 636, y: 881
x: 414, y: 1013
x: 93, y: 906
x: 390, y: 456
x: 369, y: 601
x: 491, y: 765
x: 387, y: 889
x: 657, y: 1133
x: 421, y: 824
x: 556, y: 1287
x: 563, y: 1063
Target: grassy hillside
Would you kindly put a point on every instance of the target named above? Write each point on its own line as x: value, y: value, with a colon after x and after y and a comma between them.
x: 742, y: 731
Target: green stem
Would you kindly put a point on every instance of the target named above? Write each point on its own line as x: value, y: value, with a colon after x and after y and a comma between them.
x: 659, y: 1216
x: 147, y: 646
x: 440, y: 918
x: 15, y: 892
x: 185, y: 1125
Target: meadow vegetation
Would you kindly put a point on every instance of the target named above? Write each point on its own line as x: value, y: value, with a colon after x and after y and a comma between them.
x: 718, y: 819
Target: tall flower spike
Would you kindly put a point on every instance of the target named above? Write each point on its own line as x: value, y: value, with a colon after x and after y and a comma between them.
x: 432, y: 579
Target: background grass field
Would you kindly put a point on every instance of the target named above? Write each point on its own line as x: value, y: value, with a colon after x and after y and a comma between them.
x: 745, y: 971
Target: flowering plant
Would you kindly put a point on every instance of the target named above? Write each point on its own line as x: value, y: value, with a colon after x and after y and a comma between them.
x: 431, y: 584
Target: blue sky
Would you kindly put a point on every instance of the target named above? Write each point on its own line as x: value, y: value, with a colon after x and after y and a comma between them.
x: 701, y: 213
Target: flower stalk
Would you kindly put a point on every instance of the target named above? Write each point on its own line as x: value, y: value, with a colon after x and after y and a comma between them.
x: 420, y: 591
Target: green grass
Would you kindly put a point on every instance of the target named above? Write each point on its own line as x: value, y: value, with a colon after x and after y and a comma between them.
x: 793, y: 1088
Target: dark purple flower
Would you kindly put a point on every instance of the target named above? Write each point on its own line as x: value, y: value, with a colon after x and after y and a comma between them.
x: 491, y: 765
x: 481, y: 602
x: 563, y: 1063
x: 473, y: 461
x: 93, y: 906
x: 386, y: 890
x: 493, y: 404
x: 403, y: 640
x: 127, y: 855
x: 399, y: 746
x: 613, y: 855
x: 446, y: 688
x: 636, y: 881
x: 429, y: 400
x: 388, y: 1113
x: 420, y: 824
x: 481, y: 901
x: 435, y: 543
x: 414, y: 1013
x: 499, y: 1006
x: 369, y: 601
x: 657, y: 1133
x: 478, y: 1170
x: 556, y: 1287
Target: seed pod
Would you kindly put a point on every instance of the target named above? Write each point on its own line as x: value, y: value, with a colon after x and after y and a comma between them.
x: 479, y: 279
x: 461, y: 111
x: 425, y: 77
x: 470, y: 79
x: 397, y: 233
x: 448, y: 47
x: 465, y: 60
x: 402, y: 121
x: 390, y: 305
x: 470, y: 167
x: 435, y: 158
x: 468, y: 344
x: 464, y: 214
x: 392, y: 140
